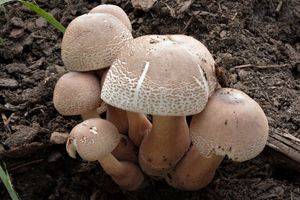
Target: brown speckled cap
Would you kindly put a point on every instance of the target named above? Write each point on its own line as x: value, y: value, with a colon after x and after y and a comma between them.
x: 93, y: 139
x: 231, y: 124
x: 76, y: 93
x: 115, y: 11
x: 92, y: 41
x: 156, y: 76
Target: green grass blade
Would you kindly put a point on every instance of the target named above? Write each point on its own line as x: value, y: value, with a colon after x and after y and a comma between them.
x: 42, y: 13
x: 5, y: 1
x: 7, y: 183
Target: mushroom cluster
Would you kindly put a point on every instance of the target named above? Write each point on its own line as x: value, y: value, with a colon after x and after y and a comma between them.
x: 159, y: 77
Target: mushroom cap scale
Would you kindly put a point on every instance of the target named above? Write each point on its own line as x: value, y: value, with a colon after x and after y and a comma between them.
x: 76, y: 93
x: 156, y: 76
x: 92, y: 41
x: 231, y: 124
x: 115, y: 11
x: 93, y: 139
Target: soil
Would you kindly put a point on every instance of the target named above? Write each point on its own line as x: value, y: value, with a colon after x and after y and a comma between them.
x: 256, y: 42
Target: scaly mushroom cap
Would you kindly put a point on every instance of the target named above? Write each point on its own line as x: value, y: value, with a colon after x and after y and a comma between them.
x: 93, y: 139
x: 156, y: 76
x: 76, y: 93
x: 115, y: 11
x: 205, y: 59
x: 231, y: 124
x: 92, y: 41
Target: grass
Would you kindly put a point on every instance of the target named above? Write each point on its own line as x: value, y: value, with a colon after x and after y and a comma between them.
x: 40, y: 12
x: 4, y: 176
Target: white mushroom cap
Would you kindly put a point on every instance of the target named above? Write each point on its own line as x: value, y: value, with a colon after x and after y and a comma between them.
x: 231, y: 124
x: 115, y: 11
x: 76, y: 93
x: 156, y: 76
x: 93, y: 139
x: 205, y: 59
x: 92, y: 41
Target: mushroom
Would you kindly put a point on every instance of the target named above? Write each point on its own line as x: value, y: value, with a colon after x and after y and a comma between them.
x: 232, y: 124
x: 158, y: 76
x: 191, y: 173
x: 115, y: 11
x: 92, y: 41
x: 77, y: 93
x: 94, y: 140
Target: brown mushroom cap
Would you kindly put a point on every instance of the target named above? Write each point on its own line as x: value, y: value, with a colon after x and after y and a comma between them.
x: 93, y: 139
x: 115, y: 11
x: 76, y: 93
x: 92, y: 41
x: 156, y: 76
x: 231, y: 124
x: 205, y: 59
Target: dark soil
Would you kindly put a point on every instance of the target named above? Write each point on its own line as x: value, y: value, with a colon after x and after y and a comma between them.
x: 257, y: 34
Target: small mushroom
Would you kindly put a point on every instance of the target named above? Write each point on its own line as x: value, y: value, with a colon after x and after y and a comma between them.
x: 232, y: 124
x: 77, y: 93
x: 94, y: 140
x: 115, y: 11
x: 158, y: 76
x: 92, y: 41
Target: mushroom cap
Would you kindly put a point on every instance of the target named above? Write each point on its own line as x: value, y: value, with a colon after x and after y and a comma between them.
x: 93, y: 139
x: 92, y: 41
x: 76, y: 93
x: 231, y: 124
x: 156, y: 76
x: 205, y: 59
x: 115, y: 11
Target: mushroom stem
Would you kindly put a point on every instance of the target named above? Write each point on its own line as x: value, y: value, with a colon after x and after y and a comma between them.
x: 194, y: 171
x: 89, y: 115
x: 118, y: 117
x: 125, y: 151
x: 139, y: 126
x: 165, y: 145
x: 125, y: 174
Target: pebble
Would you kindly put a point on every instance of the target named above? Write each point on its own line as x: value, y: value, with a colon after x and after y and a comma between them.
x: 17, y: 68
x: 16, y: 33
x: 8, y: 82
x: 41, y: 22
x: 17, y: 22
x: 58, y: 138
x: 23, y: 135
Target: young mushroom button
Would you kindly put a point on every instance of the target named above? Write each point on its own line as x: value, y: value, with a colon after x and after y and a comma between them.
x: 92, y: 41
x: 231, y: 124
x: 77, y: 93
x: 94, y: 140
x: 158, y: 76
